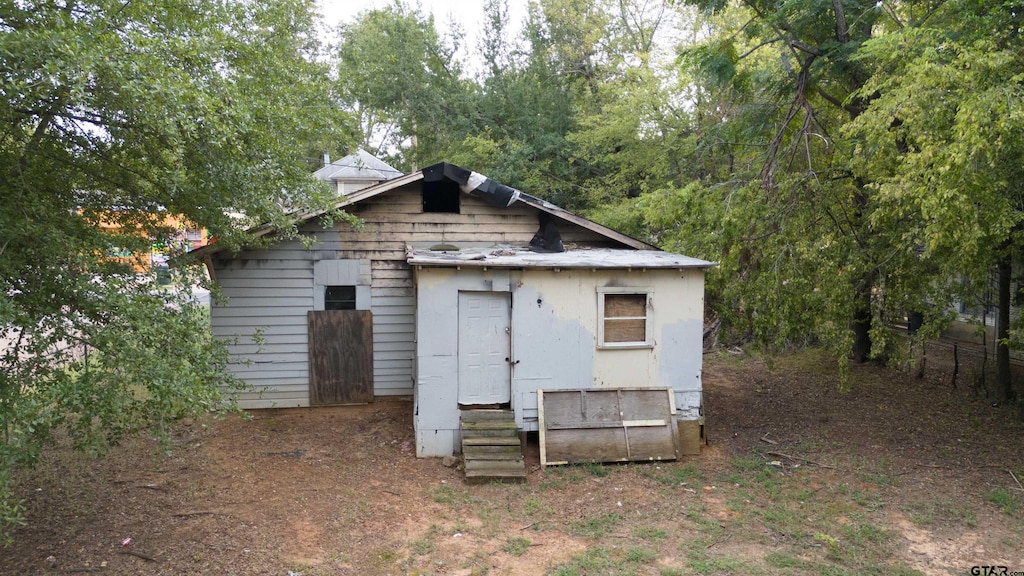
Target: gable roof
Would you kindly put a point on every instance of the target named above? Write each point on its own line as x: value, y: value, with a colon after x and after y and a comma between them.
x: 470, y: 182
x: 359, y: 165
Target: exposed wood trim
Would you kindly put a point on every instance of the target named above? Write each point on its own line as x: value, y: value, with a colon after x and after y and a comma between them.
x: 208, y: 262
x: 541, y: 427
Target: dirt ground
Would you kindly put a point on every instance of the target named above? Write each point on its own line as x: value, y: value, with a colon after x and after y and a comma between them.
x: 898, y: 475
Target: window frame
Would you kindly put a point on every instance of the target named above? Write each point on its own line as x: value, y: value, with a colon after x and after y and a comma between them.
x: 354, y: 301
x: 648, y: 341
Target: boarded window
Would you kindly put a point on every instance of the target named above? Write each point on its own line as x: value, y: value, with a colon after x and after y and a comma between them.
x: 339, y: 298
x: 624, y: 317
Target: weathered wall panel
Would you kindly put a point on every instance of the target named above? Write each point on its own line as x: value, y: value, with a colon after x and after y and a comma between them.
x: 271, y: 289
x: 269, y: 292
x: 602, y: 425
x: 554, y: 342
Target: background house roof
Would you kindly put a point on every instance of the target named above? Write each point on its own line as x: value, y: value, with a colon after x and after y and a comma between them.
x: 360, y: 165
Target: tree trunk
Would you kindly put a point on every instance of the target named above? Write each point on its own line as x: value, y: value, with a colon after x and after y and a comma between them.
x: 1004, y: 383
x: 861, y: 322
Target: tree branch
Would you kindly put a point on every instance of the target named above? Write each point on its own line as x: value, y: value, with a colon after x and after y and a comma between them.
x: 804, y: 47
x: 762, y: 44
x: 842, y: 32
x: 892, y: 13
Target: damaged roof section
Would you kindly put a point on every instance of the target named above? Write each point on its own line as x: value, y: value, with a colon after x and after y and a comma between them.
x: 502, y: 196
x: 443, y: 177
x: 519, y: 257
x: 493, y: 193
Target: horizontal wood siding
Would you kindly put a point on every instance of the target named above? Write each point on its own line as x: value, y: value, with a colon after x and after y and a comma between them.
x: 396, y: 219
x: 269, y: 292
x: 272, y: 289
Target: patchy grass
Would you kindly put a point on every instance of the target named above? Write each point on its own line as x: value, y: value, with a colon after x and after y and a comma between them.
x: 516, y: 546
x: 595, y: 469
x: 942, y: 511
x: 595, y: 527
x: 885, y: 449
x: 650, y: 533
x: 674, y: 474
x: 454, y: 496
x: 560, y: 477
x: 1002, y: 498
x: 425, y: 544
x: 605, y: 562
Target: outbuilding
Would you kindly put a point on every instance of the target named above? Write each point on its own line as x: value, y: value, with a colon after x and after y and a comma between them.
x: 473, y: 297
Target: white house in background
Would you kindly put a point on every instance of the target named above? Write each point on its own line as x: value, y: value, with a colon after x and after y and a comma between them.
x: 469, y: 296
x: 356, y: 171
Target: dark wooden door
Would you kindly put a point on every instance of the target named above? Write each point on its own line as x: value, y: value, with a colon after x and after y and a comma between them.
x: 340, y: 357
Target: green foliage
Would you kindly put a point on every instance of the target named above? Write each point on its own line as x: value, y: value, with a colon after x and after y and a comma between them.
x: 943, y: 137
x: 835, y: 158
x: 138, y: 360
x: 401, y: 80
x: 779, y: 210
x: 115, y: 115
x: 848, y: 167
x: 571, y: 110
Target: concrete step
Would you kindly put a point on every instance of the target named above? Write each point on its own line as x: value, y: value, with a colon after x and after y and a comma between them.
x: 490, y: 452
x: 491, y: 449
x: 517, y: 457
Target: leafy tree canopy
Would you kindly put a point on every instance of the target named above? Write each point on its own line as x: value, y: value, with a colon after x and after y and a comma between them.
x: 115, y: 114
x: 943, y: 138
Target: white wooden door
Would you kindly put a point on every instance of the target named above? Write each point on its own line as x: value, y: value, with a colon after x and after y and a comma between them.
x: 484, y: 348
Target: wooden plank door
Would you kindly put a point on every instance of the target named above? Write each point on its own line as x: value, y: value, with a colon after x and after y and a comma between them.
x: 484, y: 348
x: 340, y: 357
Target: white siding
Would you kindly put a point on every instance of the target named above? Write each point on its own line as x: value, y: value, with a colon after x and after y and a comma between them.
x: 272, y: 289
x: 268, y: 292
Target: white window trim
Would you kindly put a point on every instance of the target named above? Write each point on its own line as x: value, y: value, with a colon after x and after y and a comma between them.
x: 648, y: 324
